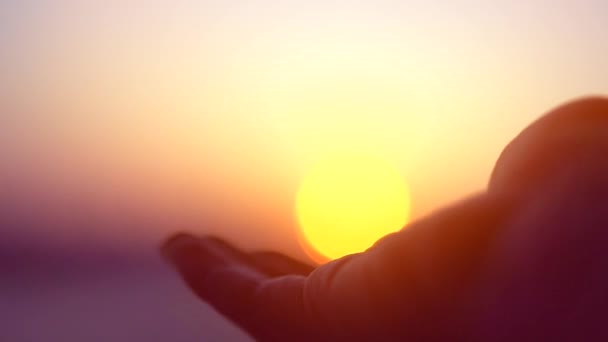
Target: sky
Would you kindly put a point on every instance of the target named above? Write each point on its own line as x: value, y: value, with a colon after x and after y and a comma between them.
x: 129, y: 119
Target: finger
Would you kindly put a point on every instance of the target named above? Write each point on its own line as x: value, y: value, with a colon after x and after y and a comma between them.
x: 229, y: 251
x: 204, y: 254
x: 276, y: 264
x: 572, y: 137
x: 271, y: 263
x: 215, y: 272
x: 188, y: 251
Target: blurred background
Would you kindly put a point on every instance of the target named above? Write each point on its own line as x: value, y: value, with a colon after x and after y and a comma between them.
x: 123, y: 121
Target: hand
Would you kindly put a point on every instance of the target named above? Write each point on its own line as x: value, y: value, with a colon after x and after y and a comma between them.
x: 454, y: 275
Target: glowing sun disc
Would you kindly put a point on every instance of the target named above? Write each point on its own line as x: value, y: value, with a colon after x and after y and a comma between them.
x: 346, y: 203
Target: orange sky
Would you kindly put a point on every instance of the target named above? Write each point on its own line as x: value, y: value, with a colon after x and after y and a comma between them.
x: 217, y: 109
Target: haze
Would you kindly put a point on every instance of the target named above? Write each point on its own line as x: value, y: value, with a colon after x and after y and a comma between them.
x: 121, y: 121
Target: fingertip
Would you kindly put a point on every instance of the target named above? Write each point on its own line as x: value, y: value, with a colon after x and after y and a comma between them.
x: 179, y: 237
x: 193, y: 255
x: 171, y: 247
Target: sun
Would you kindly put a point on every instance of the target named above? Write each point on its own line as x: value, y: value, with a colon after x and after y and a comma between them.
x: 347, y: 202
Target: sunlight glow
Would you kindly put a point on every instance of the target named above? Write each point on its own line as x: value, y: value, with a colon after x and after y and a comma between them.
x: 346, y: 203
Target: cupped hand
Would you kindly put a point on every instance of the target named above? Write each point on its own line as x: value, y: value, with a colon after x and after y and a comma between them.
x: 432, y: 280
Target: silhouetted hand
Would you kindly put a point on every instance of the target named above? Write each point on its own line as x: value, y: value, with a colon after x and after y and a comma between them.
x: 524, y: 260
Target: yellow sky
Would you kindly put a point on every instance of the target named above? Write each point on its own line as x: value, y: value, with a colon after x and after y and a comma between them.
x: 217, y: 108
